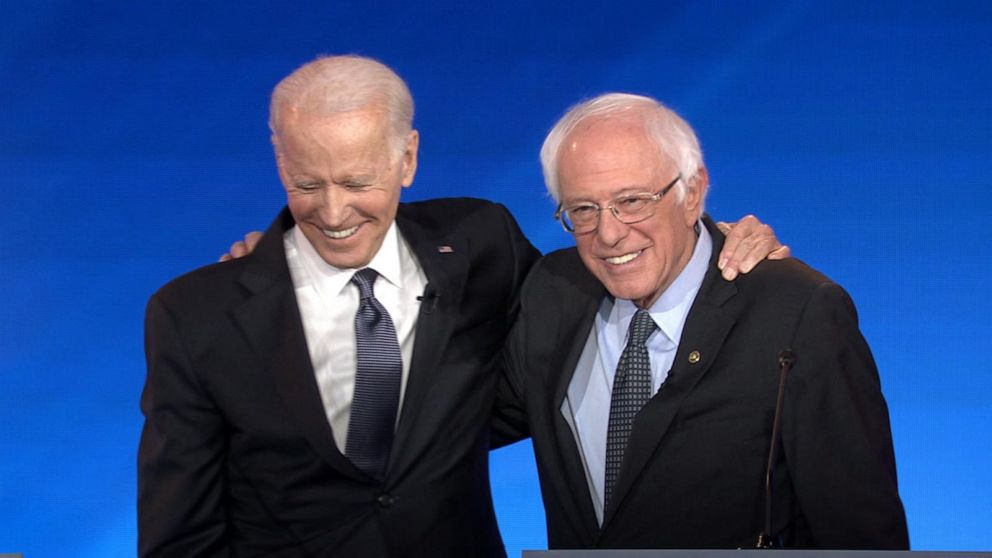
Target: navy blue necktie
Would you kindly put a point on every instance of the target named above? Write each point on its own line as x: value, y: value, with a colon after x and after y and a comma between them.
x: 377, y: 381
x: 631, y: 390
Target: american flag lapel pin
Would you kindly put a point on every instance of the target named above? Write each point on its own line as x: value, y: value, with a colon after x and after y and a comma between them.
x: 445, y: 249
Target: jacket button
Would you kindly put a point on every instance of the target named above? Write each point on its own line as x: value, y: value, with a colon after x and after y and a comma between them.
x: 386, y: 501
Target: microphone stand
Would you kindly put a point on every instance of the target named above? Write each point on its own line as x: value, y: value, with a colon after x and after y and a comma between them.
x: 786, y: 360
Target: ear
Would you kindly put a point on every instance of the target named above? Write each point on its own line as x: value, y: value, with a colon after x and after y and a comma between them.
x: 410, y: 158
x: 695, y: 193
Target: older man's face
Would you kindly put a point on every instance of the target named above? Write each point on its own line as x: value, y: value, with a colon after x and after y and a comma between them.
x: 604, y: 159
x: 343, y: 181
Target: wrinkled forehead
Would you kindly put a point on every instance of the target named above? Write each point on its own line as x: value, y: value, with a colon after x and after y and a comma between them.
x: 610, y: 150
x: 349, y: 143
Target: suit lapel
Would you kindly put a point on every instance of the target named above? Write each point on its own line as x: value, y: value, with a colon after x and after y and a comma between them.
x: 578, y: 308
x: 444, y: 260
x: 704, y: 333
x: 271, y: 322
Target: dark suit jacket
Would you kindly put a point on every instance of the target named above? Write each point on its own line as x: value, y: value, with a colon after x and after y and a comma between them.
x: 237, y: 456
x: 693, y: 473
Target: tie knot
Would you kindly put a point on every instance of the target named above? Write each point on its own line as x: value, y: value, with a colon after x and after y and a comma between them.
x: 365, y: 278
x: 641, y: 327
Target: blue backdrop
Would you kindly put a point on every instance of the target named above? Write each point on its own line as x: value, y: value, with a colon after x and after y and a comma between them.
x: 134, y: 147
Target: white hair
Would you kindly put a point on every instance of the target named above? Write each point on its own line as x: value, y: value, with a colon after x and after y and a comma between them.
x: 673, y: 135
x: 335, y: 84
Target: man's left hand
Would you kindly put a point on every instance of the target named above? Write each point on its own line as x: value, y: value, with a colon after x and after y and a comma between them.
x: 749, y: 241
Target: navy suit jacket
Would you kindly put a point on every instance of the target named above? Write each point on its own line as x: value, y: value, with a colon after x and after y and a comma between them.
x: 693, y: 472
x: 237, y: 456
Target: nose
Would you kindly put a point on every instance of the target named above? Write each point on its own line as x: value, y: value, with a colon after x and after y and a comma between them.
x: 334, y: 206
x: 610, y: 230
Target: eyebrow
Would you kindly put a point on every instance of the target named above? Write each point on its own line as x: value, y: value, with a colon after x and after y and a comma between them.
x: 302, y: 177
x: 359, y: 179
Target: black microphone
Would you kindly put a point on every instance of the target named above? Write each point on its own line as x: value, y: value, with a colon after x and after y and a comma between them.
x: 431, y: 297
x: 786, y: 360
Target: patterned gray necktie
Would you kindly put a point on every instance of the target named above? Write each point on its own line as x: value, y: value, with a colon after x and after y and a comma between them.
x: 377, y: 381
x: 631, y: 390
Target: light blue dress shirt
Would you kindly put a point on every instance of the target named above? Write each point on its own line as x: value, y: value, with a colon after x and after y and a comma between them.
x: 587, y: 404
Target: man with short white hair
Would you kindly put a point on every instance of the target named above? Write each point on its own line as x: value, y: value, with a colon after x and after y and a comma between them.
x: 330, y: 394
x: 649, y: 384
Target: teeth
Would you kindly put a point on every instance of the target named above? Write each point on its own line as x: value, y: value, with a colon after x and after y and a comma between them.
x: 340, y: 234
x: 618, y: 260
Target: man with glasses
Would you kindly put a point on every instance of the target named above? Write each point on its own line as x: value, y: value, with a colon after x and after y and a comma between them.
x: 649, y: 384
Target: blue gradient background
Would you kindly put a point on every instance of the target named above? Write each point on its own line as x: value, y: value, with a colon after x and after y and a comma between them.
x: 133, y: 147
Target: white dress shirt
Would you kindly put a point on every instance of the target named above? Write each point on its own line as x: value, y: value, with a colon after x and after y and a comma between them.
x: 328, y: 302
x: 587, y: 404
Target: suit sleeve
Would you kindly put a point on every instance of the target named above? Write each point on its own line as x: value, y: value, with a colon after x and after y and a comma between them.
x: 509, y: 421
x: 181, y: 454
x: 510, y: 417
x: 836, y: 435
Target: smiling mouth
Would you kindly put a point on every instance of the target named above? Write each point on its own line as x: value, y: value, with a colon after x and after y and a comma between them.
x: 338, y: 235
x: 626, y: 258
